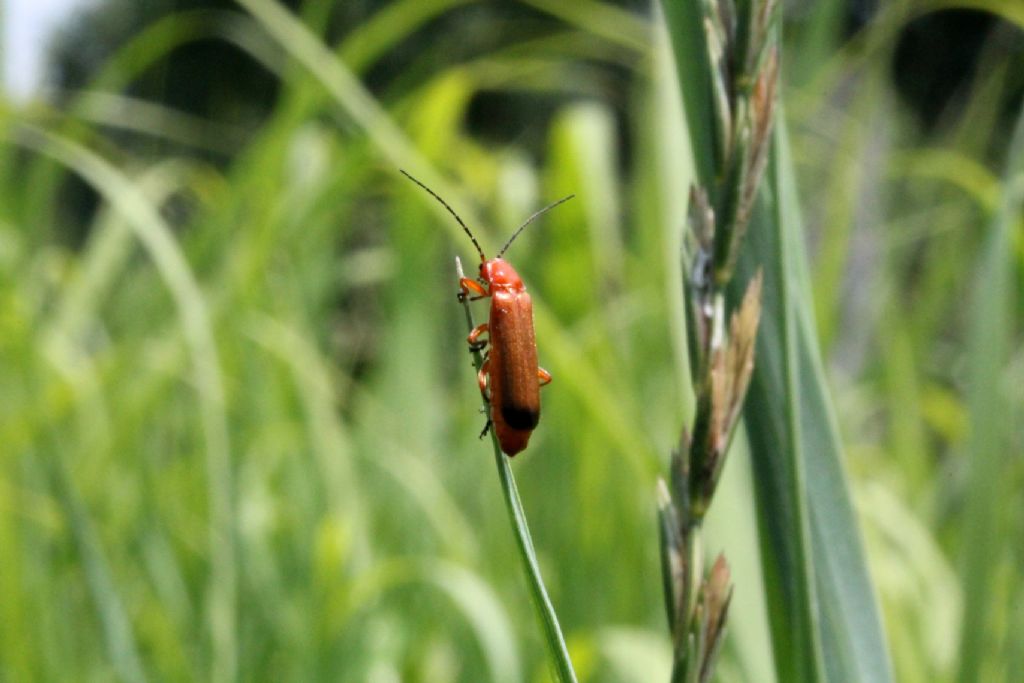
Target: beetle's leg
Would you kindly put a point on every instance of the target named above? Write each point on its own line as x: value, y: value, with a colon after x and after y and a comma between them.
x: 544, y: 376
x: 466, y: 286
x: 475, y: 343
x: 481, y: 377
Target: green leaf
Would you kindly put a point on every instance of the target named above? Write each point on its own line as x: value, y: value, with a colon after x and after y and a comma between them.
x: 693, y: 66
x: 157, y: 238
x: 801, y: 486
x: 776, y: 441
x: 990, y: 404
x: 118, y: 634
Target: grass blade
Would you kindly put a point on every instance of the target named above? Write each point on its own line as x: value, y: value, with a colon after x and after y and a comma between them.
x: 693, y: 67
x: 538, y: 593
x: 467, y: 591
x: 118, y: 633
x: 990, y: 405
x: 777, y: 450
x: 842, y: 605
x: 524, y: 543
x: 157, y: 238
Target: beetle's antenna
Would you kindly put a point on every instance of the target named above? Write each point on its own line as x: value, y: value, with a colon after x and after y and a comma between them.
x: 450, y: 210
x: 530, y: 220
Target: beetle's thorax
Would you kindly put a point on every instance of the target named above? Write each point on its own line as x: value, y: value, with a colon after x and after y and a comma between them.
x: 500, y: 274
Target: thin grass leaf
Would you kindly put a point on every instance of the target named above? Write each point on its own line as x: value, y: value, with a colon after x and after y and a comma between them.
x: 524, y: 543
x: 354, y: 99
x: 842, y: 600
x: 485, y: 614
x: 332, y: 443
x: 685, y: 23
x: 118, y: 633
x: 601, y: 19
x: 794, y: 614
x: 157, y: 238
x: 392, y: 23
x: 468, y: 592
x: 990, y: 443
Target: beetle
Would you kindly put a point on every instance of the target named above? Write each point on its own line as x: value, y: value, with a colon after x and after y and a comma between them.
x: 510, y: 377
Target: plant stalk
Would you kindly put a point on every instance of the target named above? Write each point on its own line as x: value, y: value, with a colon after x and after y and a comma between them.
x: 538, y: 593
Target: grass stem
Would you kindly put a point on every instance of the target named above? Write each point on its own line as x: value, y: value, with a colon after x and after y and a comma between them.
x: 538, y: 593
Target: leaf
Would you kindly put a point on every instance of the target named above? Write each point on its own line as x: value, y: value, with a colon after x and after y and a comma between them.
x: 798, y: 468
x: 693, y: 67
x: 158, y: 240
x: 990, y: 352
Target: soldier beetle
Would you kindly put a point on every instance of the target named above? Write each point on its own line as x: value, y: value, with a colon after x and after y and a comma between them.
x: 510, y: 378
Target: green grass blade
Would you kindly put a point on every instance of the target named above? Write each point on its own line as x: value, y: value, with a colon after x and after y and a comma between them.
x: 333, y: 449
x: 834, y: 575
x: 372, y: 39
x: 990, y: 405
x: 473, y: 598
x: 524, y: 543
x: 538, y: 593
x: 358, y: 104
x: 485, y: 614
x: 157, y: 238
x: 118, y: 633
x: 686, y: 34
x: 777, y: 443
x: 601, y: 19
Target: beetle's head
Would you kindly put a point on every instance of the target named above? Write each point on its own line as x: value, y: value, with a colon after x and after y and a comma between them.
x: 500, y: 272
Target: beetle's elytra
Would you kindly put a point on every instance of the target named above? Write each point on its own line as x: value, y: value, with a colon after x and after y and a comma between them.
x: 510, y: 378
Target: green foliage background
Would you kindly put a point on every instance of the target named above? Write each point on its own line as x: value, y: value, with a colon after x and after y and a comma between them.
x: 238, y: 422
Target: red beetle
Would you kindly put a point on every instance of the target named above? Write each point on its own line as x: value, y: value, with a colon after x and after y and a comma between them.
x: 510, y: 378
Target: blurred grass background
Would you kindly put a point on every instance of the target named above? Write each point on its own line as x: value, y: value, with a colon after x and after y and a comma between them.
x: 237, y: 419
